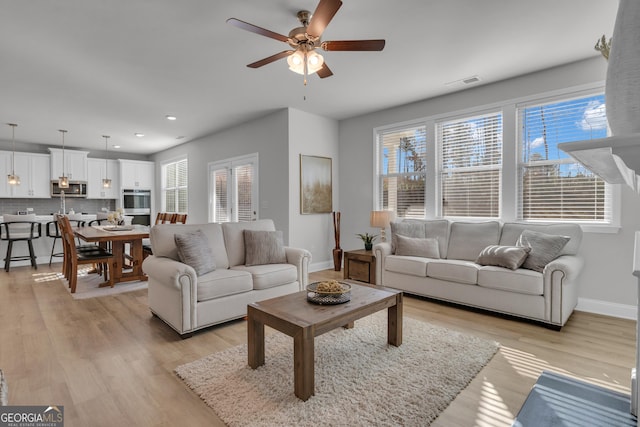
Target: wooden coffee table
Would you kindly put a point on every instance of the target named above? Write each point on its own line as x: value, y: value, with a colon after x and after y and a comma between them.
x: 293, y: 315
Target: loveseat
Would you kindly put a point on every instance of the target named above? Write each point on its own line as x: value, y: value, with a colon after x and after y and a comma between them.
x: 524, y: 270
x: 215, y: 284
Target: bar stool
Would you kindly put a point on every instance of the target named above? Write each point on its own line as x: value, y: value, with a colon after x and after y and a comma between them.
x: 20, y: 228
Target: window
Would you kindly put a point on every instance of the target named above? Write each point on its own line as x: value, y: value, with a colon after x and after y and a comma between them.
x: 500, y: 162
x: 402, y: 171
x: 470, y: 166
x: 174, y: 187
x: 233, y: 189
x: 553, y: 186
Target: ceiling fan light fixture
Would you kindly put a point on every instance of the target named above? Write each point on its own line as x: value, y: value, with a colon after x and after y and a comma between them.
x: 296, y: 61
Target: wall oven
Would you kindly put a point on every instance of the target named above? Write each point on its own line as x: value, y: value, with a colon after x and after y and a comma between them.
x: 137, y: 203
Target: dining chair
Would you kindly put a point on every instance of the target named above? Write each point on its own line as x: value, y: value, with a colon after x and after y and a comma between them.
x: 52, y: 230
x: 74, y: 257
x: 20, y: 228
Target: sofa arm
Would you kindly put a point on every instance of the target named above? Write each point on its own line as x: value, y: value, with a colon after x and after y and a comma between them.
x: 380, y: 251
x: 173, y: 292
x: 301, y: 258
x: 168, y: 271
x: 561, y: 287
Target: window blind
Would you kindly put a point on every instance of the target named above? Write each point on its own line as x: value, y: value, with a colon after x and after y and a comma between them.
x: 552, y: 185
x: 470, y: 166
x: 402, y: 171
x: 175, y: 187
x: 221, y: 209
x: 244, y: 188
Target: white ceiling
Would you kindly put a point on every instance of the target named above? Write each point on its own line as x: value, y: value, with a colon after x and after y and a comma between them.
x: 117, y: 67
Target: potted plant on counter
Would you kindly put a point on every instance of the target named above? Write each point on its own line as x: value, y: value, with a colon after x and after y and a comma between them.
x: 367, y: 239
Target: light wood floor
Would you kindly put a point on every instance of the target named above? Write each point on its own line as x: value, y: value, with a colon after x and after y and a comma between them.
x: 110, y: 363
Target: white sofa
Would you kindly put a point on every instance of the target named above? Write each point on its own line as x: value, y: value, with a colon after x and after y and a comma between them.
x: 548, y: 296
x: 187, y: 302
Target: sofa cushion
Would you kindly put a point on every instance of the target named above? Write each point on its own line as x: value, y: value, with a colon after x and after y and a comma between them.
x: 269, y: 275
x: 234, y: 237
x: 263, y: 247
x: 453, y: 271
x: 520, y: 281
x: 544, y: 248
x: 414, y: 246
x: 164, y: 245
x: 468, y: 239
x: 194, y: 250
x: 511, y: 231
x: 221, y: 283
x: 438, y: 229
x: 510, y: 257
x: 408, y: 228
x: 413, y: 266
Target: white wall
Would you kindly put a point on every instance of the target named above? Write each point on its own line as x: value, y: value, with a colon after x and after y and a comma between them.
x: 312, y: 135
x: 606, y: 285
x: 268, y: 136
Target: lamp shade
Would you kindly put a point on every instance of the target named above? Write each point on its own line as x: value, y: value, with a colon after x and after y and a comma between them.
x: 296, y: 61
x: 381, y: 219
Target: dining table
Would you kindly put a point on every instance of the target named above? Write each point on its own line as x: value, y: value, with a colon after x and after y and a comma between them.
x: 119, y: 236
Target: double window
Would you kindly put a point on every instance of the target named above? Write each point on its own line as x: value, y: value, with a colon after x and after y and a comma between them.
x: 174, y: 186
x: 471, y: 168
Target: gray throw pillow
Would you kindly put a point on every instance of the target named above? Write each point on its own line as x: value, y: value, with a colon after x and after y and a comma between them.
x: 544, y: 248
x: 406, y: 228
x: 503, y: 256
x: 194, y: 250
x: 263, y: 247
x: 414, y: 246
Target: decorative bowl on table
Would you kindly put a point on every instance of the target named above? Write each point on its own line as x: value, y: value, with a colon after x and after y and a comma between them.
x: 328, y: 292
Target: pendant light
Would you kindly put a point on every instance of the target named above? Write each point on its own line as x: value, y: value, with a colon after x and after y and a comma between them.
x: 106, y: 182
x: 63, y: 181
x: 13, y: 179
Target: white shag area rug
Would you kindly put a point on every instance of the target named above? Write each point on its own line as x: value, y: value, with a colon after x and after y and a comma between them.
x: 360, y: 380
x: 88, y: 285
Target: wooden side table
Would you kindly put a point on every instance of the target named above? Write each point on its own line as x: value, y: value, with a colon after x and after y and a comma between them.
x: 360, y: 265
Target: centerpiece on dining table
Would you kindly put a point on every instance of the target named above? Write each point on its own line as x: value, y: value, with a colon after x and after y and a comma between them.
x: 116, y: 217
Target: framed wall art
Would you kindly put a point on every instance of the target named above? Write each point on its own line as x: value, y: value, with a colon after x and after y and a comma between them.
x: 315, y: 185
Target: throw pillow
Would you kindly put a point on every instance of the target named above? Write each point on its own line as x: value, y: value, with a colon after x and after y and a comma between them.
x: 414, y: 246
x: 544, y: 248
x: 264, y: 247
x: 406, y: 228
x: 194, y: 250
x: 503, y: 256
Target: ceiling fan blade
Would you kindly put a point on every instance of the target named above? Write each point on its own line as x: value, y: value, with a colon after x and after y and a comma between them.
x: 255, y: 29
x: 270, y: 59
x: 323, y: 14
x: 324, y: 71
x: 361, y: 45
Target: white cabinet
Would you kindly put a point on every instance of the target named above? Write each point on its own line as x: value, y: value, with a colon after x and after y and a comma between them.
x: 96, y: 169
x: 136, y: 174
x: 5, y: 169
x: 75, y: 164
x: 33, y: 170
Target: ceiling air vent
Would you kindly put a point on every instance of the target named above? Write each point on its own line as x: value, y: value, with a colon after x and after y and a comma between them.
x: 465, y: 81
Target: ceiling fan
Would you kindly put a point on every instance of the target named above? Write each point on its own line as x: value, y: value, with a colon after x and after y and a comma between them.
x: 304, y: 40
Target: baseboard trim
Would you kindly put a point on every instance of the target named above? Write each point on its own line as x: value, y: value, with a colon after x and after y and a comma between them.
x: 319, y: 266
x: 623, y: 311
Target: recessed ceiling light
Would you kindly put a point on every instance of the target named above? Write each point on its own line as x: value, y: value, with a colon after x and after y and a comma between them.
x: 180, y: 137
x: 115, y: 146
x: 170, y: 117
x: 139, y: 135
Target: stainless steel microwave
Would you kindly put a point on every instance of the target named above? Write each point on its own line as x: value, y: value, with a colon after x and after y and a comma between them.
x: 76, y: 189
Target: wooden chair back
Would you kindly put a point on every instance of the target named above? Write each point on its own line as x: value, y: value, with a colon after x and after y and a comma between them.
x: 73, y: 258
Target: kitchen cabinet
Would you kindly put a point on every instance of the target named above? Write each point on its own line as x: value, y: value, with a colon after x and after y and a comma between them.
x: 136, y: 174
x: 5, y: 169
x: 96, y: 169
x: 75, y: 164
x: 34, y: 172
